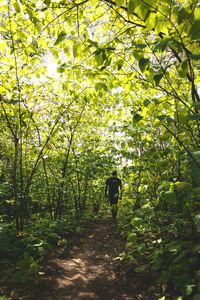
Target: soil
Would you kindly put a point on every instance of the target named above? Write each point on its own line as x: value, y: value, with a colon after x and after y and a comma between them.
x: 87, y: 269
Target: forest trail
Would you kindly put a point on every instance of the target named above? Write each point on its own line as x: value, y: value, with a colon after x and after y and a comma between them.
x: 87, y: 269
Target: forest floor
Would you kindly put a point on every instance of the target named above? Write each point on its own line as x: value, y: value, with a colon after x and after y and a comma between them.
x: 88, y: 269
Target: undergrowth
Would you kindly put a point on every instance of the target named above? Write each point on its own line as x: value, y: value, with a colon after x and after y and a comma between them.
x: 21, y: 256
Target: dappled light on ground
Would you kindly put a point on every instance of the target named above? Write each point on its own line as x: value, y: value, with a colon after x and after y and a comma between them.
x: 88, y: 270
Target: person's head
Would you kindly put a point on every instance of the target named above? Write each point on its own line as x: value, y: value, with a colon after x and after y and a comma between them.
x: 114, y: 173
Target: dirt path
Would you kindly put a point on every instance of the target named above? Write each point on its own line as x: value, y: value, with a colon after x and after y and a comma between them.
x: 86, y: 270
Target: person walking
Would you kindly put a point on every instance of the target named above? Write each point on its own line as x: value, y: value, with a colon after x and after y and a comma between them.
x: 113, y: 191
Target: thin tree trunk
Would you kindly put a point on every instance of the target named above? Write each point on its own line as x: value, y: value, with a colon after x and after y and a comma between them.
x: 48, y: 191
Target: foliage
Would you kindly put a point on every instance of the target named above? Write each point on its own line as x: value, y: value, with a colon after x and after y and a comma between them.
x: 164, y: 238
x: 87, y: 87
x: 21, y: 256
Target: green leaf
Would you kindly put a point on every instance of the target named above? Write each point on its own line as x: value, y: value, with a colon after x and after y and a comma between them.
x: 140, y: 46
x: 169, y: 119
x: 137, y: 117
x: 62, y: 68
x: 194, y: 117
x: 182, y: 116
x: 189, y: 289
x: 197, y: 105
x: 101, y: 86
x: 108, y: 61
x: 151, y: 19
x: 143, y: 62
x: 146, y: 102
x: 47, y: 2
x: 195, y: 56
x: 161, y: 117
x: 132, y: 237
x: 131, y: 6
x: 142, y: 10
x: 157, y: 78
x: 138, y: 55
x: 119, y: 2
x: 194, y: 30
x: 182, y: 14
x: 95, y: 44
x: 197, y: 13
x: 99, y: 58
x: 76, y: 48
x: 151, y: 2
x: 120, y: 64
x: 29, y: 11
x: 62, y: 35
x: 3, y: 46
x: 17, y: 7
x: 196, y: 297
x: 162, y: 44
x: 183, y: 69
x: 162, y: 25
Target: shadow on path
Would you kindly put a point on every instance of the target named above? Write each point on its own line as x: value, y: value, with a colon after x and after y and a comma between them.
x: 87, y: 270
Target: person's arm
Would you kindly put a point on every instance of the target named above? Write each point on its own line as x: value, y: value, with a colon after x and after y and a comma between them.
x: 120, y: 186
x: 106, y: 189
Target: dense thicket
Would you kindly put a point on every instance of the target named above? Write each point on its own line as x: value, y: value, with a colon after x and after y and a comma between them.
x: 87, y: 87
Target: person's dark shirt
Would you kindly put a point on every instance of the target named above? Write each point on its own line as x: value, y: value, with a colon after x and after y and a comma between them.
x: 113, y: 183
